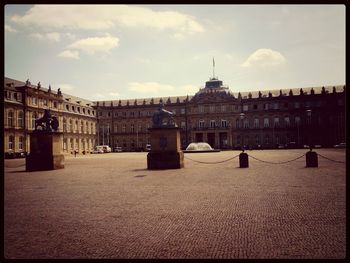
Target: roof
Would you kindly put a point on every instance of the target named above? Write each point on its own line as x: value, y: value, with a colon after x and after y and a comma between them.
x: 73, y: 99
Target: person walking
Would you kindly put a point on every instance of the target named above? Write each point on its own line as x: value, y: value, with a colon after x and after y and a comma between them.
x: 75, y: 153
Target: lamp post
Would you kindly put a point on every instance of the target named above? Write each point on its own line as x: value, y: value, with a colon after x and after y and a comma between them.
x: 241, y: 116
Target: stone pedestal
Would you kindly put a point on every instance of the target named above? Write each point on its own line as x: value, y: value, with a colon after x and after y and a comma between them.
x: 165, y: 149
x: 45, y: 151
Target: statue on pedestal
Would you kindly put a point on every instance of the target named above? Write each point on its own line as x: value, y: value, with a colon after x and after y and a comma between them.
x: 163, y: 118
x: 47, y: 122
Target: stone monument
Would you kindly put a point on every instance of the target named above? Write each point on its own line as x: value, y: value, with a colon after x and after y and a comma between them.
x: 165, y: 142
x: 45, y: 145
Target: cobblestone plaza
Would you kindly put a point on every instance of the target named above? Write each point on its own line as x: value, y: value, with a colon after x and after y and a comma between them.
x: 111, y: 206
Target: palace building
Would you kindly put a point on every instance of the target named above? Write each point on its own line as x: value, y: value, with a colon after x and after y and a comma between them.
x: 228, y: 120
x: 215, y: 114
x: 24, y: 103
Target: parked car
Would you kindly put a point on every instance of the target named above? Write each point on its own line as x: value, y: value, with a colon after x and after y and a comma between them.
x: 148, y: 148
x: 106, y: 148
x: 291, y: 145
x: 98, y: 149
x: 280, y: 146
x: 118, y: 149
x: 340, y: 145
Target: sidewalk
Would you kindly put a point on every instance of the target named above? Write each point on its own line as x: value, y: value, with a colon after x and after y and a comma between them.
x: 111, y: 206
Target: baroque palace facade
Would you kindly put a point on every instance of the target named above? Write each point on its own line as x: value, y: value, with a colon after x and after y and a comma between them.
x: 224, y: 119
x: 25, y: 102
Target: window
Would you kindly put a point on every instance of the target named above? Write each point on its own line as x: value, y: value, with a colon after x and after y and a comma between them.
x: 86, y: 127
x: 84, y: 110
x: 88, y: 112
x: 238, y: 139
x: 296, y: 105
x: 67, y: 107
x: 223, y: 123
x: 91, y: 128
x: 76, y: 126
x: 11, y: 142
x: 246, y: 123
x: 276, y: 106
x: 212, y: 124
x: 132, y: 128
x: 20, y: 119
x: 297, y: 120
x: 212, y: 108
x: 201, y: 108
x: 19, y: 96
x: 286, y: 121
x: 73, y: 109
x: 34, y: 100
x: 201, y: 123
x: 256, y: 123
x: 78, y: 108
x: 20, y: 142
x: 308, y: 104
x: 183, y: 111
x: 245, y: 107
x: 237, y: 123
x: 109, y: 114
x: 45, y: 102
x: 266, y: 106
x: 276, y: 122
x: 10, y: 118
x: 123, y: 128
x: 257, y: 139
x: 82, y: 126
x: 266, y: 122
x: 267, y: 139
x: 255, y: 106
x: 174, y: 111
x: 100, y: 113
x: 183, y: 124
x: 71, y: 144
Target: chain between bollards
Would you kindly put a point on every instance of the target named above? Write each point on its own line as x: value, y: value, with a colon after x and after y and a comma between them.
x: 278, y: 162
x: 330, y: 159
x: 213, y: 162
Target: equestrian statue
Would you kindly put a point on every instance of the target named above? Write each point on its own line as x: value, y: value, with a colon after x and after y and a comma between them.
x: 163, y: 118
x: 47, y: 122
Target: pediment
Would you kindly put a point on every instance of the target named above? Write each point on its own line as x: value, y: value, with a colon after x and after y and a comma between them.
x: 212, y: 97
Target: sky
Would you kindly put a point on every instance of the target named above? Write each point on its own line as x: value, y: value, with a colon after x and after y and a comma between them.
x: 111, y: 52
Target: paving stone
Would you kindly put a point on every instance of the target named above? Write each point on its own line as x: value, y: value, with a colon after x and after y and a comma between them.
x: 111, y: 206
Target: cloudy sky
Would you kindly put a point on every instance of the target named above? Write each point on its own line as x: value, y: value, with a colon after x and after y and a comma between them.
x: 106, y: 52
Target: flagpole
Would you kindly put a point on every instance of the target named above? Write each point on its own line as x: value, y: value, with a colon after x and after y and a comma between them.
x: 213, y: 68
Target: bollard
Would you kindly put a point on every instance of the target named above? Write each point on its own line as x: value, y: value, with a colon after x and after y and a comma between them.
x: 243, y: 160
x: 311, y: 159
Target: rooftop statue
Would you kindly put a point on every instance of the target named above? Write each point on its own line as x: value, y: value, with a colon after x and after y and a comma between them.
x: 47, y: 122
x: 163, y: 118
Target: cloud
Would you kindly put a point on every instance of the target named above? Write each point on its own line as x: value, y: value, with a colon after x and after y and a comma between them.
x: 92, y: 45
x: 69, y: 54
x: 264, y: 58
x: 9, y: 28
x: 102, y: 17
x: 52, y: 36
